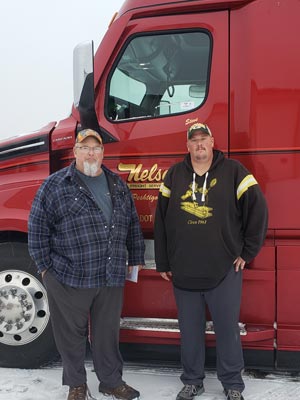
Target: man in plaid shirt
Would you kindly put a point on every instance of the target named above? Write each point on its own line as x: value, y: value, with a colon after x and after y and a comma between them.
x: 83, y: 226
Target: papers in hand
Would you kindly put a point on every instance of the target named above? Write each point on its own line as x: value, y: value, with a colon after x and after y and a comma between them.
x: 133, y: 275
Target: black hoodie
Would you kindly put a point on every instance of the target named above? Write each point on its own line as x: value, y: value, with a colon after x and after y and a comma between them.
x: 203, y: 223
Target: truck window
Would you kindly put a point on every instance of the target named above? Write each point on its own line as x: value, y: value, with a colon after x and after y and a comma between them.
x: 159, y: 75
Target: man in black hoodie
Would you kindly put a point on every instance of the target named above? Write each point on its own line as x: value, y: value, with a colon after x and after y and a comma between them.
x: 211, y: 219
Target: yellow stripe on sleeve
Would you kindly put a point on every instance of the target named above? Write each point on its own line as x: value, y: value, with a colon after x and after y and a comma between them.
x: 248, y: 181
x: 166, y: 192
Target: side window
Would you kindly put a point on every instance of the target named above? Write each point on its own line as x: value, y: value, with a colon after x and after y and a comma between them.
x: 159, y: 75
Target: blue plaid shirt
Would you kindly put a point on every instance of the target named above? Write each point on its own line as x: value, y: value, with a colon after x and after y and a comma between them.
x: 69, y: 236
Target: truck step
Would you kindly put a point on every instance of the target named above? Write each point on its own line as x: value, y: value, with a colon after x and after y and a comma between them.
x: 166, y: 325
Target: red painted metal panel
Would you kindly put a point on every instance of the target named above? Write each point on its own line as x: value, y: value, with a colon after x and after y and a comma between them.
x: 265, y: 260
x: 151, y: 297
x: 264, y: 98
x: 258, y: 297
x: 288, y: 298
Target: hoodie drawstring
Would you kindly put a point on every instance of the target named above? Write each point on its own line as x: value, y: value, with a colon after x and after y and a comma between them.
x: 194, y: 187
x: 204, y: 187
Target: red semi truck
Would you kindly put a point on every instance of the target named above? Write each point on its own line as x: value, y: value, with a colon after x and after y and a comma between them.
x: 233, y: 64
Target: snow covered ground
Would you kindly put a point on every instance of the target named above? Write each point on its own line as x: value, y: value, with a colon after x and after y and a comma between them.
x: 154, y: 383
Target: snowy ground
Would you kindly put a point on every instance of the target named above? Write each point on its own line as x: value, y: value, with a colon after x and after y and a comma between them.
x: 154, y: 383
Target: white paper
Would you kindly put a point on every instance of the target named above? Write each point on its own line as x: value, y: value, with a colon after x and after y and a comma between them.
x: 187, y: 105
x: 133, y: 275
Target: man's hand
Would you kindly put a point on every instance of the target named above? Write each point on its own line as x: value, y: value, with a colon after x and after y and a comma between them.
x: 166, y: 275
x: 239, y: 264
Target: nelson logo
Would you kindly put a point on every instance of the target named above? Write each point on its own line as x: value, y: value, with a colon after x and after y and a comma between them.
x: 143, y: 178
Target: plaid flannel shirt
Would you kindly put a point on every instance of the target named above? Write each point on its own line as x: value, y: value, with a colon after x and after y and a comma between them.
x: 69, y: 235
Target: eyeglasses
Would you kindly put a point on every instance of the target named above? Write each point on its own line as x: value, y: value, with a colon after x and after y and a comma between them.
x: 87, y: 149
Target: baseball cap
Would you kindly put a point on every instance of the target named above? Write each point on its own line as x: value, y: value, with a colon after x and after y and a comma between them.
x: 198, y: 127
x: 88, y: 133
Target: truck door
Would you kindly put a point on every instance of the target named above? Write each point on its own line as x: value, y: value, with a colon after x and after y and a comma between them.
x: 166, y: 72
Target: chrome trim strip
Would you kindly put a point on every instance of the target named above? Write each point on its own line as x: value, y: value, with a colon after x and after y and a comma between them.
x: 27, y: 146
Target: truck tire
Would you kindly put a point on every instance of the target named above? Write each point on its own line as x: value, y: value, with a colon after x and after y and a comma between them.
x: 26, y: 338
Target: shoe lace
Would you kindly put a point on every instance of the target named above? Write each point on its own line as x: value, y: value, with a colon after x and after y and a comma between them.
x: 189, y: 389
x: 234, y: 394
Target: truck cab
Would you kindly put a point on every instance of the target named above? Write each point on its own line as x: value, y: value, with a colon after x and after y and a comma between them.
x: 161, y: 66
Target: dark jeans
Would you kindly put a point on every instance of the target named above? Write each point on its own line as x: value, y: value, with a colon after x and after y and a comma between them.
x: 72, y: 310
x: 224, y: 305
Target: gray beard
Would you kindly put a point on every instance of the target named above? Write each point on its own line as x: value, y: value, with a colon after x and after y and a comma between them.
x: 90, y: 169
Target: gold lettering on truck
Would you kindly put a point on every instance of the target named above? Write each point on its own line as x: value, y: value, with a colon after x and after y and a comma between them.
x: 146, y: 217
x: 137, y: 175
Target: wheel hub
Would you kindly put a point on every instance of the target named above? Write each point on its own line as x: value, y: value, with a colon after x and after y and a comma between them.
x: 24, y: 311
x: 17, y: 309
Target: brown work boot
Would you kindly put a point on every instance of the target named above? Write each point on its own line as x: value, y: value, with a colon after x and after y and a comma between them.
x: 122, y: 392
x: 78, y: 392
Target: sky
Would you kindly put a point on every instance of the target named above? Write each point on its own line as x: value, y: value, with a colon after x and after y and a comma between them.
x: 158, y: 383
x: 37, y: 39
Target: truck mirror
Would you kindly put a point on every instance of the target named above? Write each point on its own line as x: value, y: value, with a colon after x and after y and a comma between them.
x: 83, y: 66
x: 84, y: 89
x: 83, y: 85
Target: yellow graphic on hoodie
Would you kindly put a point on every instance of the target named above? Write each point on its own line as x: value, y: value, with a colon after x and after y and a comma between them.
x: 193, y: 207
